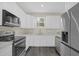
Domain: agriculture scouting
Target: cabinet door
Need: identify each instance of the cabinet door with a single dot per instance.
(1, 7)
(7, 51)
(66, 19)
(65, 51)
(53, 22)
(5, 48)
(1, 16)
(57, 44)
(74, 12)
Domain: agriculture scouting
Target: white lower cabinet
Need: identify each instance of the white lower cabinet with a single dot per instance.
(40, 40)
(65, 50)
(57, 44)
(6, 49)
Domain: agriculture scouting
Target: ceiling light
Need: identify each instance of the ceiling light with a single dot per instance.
(42, 5)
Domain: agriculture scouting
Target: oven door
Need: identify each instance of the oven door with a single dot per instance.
(19, 48)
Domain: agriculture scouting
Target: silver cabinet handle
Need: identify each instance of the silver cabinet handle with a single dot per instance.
(75, 21)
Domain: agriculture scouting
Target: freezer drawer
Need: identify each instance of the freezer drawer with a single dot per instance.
(74, 53)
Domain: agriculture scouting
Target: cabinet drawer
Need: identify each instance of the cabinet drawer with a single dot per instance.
(74, 53)
(65, 50)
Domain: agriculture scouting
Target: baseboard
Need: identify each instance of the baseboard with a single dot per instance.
(44, 46)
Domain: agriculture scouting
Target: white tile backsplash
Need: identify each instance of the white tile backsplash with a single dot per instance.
(31, 31)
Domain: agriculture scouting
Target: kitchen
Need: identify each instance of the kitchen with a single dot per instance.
(37, 25)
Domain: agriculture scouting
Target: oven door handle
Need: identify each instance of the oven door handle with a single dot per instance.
(15, 44)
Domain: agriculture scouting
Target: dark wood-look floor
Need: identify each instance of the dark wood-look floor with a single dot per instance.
(42, 51)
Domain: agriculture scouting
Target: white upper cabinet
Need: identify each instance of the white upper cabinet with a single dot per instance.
(1, 7)
(53, 22)
(34, 22)
(31, 21)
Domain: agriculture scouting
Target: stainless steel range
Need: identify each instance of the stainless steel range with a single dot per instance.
(11, 45)
(19, 45)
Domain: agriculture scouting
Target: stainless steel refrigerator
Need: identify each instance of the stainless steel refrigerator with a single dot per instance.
(71, 25)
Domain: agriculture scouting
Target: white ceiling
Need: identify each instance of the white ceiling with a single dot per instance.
(49, 7)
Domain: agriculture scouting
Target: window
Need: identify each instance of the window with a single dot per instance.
(41, 22)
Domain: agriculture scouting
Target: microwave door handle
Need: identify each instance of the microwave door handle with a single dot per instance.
(75, 21)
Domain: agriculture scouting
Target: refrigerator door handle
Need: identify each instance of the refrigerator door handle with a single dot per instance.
(75, 21)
